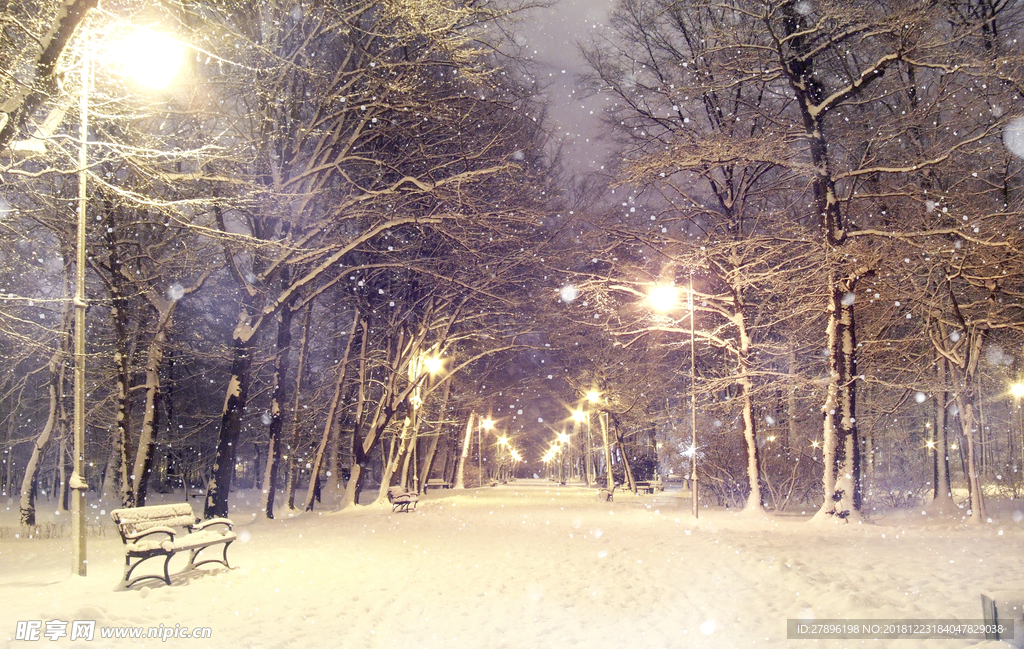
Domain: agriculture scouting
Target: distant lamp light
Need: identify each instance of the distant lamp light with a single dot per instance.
(487, 423)
(663, 297)
(1017, 390)
(593, 396)
(579, 416)
(563, 438)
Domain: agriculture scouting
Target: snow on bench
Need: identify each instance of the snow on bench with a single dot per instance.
(401, 500)
(149, 532)
(439, 483)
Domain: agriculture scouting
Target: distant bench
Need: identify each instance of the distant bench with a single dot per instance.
(148, 532)
(437, 483)
(402, 500)
(650, 486)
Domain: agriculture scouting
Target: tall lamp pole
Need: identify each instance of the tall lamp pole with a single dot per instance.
(153, 60)
(693, 405)
(78, 483)
(664, 298)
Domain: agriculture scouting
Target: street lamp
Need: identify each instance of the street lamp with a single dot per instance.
(146, 57)
(433, 364)
(664, 298)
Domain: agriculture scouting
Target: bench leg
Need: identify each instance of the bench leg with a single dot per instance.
(192, 564)
(129, 567)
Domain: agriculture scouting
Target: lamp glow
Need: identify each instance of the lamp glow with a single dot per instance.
(663, 297)
(1017, 390)
(433, 364)
(593, 396)
(149, 57)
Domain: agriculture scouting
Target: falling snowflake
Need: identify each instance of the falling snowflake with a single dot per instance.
(569, 293)
(1013, 137)
(175, 292)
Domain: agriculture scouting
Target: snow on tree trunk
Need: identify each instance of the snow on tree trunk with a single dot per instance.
(391, 461)
(230, 426)
(18, 109)
(460, 471)
(143, 465)
(27, 505)
(841, 479)
(754, 500)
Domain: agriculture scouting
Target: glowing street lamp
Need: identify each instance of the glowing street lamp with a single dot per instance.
(663, 298)
(433, 364)
(152, 61)
(1017, 390)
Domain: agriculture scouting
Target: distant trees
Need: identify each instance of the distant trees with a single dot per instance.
(846, 120)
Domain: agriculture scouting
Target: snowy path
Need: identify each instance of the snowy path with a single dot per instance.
(530, 565)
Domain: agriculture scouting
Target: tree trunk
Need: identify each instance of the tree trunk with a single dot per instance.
(277, 399)
(602, 417)
(942, 494)
(147, 436)
(965, 405)
(231, 422)
(841, 480)
(330, 428)
(460, 471)
(54, 388)
(293, 451)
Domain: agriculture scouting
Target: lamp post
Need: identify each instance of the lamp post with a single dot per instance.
(578, 417)
(152, 60)
(563, 439)
(665, 297)
(1017, 392)
(485, 424)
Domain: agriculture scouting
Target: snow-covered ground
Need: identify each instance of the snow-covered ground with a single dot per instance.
(527, 565)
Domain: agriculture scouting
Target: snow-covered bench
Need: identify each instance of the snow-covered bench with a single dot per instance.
(401, 500)
(149, 532)
(437, 483)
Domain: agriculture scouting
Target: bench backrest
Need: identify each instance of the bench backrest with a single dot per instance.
(140, 519)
